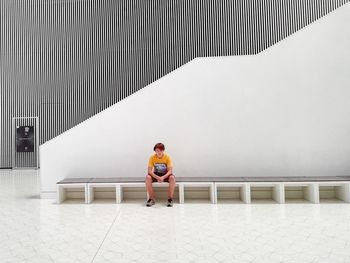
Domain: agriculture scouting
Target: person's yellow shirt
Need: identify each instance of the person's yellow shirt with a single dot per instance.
(160, 165)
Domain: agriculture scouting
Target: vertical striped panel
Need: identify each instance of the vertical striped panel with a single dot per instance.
(64, 60)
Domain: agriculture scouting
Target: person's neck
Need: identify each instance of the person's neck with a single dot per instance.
(160, 156)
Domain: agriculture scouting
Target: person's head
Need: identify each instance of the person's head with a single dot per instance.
(159, 149)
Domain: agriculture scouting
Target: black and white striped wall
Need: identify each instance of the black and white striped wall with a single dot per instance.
(63, 61)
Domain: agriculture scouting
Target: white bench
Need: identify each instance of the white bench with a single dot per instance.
(213, 190)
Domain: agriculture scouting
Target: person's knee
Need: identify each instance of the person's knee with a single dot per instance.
(172, 179)
(148, 178)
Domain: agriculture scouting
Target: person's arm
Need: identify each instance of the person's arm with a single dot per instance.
(169, 169)
(151, 173)
(150, 169)
(168, 173)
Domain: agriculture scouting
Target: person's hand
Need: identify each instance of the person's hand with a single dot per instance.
(161, 179)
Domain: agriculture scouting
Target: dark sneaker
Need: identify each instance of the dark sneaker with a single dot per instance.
(169, 203)
(150, 202)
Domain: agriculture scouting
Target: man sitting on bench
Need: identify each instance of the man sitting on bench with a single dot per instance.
(160, 169)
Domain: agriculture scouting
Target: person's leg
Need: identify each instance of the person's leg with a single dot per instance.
(172, 183)
(149, 187)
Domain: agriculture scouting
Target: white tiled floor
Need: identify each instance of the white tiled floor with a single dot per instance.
(35, 230)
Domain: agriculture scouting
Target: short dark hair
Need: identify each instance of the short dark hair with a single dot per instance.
(159, 146)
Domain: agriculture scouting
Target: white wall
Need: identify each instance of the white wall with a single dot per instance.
(284, 112)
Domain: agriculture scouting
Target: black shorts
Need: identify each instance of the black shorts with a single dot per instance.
(166, 179)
